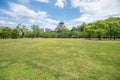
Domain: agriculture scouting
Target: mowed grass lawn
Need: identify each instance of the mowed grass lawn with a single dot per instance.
(59, 59)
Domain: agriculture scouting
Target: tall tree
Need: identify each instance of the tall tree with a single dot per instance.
(5, 32)
(114, 26)
(15, 33)
(101, 28)
(29, 34)
(63, 32)
(22, 29)
(89, 31)
(36, 31)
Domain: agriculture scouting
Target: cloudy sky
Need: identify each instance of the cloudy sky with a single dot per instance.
(48, 13)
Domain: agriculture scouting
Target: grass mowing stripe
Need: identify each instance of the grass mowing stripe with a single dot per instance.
(59, 59)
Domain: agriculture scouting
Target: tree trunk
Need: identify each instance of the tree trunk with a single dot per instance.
(89, 37)
(99, 37)
(110, 38)
(114, 37)
(110, 33)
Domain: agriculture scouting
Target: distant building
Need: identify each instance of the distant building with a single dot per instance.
(46, 29)
(60, 25)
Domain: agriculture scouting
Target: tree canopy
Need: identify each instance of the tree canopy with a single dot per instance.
(108, 28)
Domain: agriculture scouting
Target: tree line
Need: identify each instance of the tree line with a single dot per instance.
(108, 28)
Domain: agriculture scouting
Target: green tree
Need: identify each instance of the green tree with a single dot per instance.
(5, 32)
(22, 29)
(74, 29)
(114, 26)
(99, 32)
(15, 33)
(53, 34)
(75, 34)
(0, 33)
(81, 28)
(63, 32)
(101, 28)
(36, 31)
(89, 31)
(29, 34)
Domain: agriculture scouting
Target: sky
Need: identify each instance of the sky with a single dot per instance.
(48, 13)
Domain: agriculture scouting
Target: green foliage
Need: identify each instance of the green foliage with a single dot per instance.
(22, 29)
(114, 25)
(63, 33)
(36, 31)
(108, 28)
(89, 31)
(80, 28)
(104, 28)
(5, 32)
(75, 34)
(29, 34)
(15, 33)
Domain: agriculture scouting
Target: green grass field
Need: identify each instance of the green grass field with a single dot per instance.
(59, 59)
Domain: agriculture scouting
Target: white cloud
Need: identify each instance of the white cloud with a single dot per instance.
(22, 13)
(92, 10)
(60, 3)
(44, 1)
(7, 23)
(27, 1)
(23, 1)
